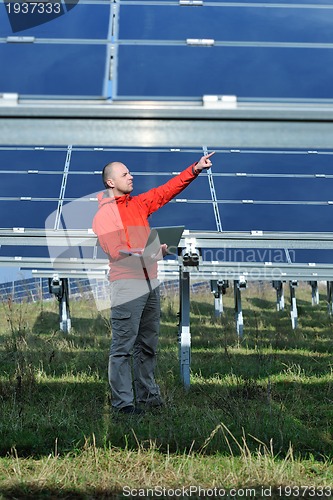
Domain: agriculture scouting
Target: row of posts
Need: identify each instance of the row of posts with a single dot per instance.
(218, 288)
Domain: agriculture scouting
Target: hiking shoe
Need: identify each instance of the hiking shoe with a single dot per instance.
(152, 403)
(130, 410)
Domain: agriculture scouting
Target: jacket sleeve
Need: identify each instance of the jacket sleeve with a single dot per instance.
(157, 197)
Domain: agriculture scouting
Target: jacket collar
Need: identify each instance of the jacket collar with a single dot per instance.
(107, 197)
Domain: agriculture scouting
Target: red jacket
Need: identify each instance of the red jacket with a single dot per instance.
(121, 223)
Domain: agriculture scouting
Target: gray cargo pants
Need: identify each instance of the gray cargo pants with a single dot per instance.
(135, 320)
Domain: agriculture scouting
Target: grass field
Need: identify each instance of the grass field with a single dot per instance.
(257, 421)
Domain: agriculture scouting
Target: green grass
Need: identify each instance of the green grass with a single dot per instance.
(259, 412)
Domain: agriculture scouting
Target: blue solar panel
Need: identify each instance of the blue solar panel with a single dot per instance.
(274, 189)
(296, 162)
(36, 186)
(83, 185)
(192, 215)
(279, 177)
(226, 23)
(26, 213)
(317, 256)
(77, 214)
(137, 160)
(149, 168)
(30, 159)
(26, 173)
(24, 251)
(247, 72)
(265, 217)
(263, 50)
(53, 70)
(74, 24)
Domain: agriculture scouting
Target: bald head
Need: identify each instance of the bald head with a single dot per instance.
(117, 177)
(109, 171)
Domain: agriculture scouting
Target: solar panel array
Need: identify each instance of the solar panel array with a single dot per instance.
(148, 50)
(167, 50)
(246, 190)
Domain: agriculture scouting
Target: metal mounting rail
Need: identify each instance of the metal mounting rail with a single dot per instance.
(208, 239)
(168, 270)
(251, 271)
(69, 264)
(290, 124)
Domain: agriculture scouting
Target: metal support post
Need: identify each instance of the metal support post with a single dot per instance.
(184, 340)
(330, 297)
(314, 292)
(278, 285)
(238, 284)
(218, 305)
(293, 304)
(218, 288)
(59, 287)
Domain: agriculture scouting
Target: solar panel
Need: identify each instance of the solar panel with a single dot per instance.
(32, 158)
(57, 54)
(249, 73)
(16, 186)
(50, 70)
(142, 159)
(23, 252)
(233, 22)
(25, 213)
(253, 216)
(70, 25)
(275, 189)
(251, 50)
(30, 181)
(273, 162)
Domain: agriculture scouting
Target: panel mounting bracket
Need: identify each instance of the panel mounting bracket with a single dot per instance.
(220, 101)
(9, 99)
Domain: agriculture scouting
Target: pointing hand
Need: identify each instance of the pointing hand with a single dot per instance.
(204, 162)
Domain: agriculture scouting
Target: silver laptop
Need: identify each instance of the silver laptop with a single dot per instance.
(171, 236)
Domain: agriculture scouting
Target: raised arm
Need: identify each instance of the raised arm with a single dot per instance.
(157, 197)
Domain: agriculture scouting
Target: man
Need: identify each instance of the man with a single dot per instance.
(121, 224)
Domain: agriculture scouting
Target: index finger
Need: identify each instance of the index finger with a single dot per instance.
(210, 154)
